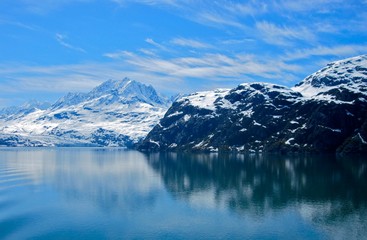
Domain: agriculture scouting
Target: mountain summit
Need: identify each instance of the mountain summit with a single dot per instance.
(126, 91)
(115, 113)
(347, 76)
(123, 91)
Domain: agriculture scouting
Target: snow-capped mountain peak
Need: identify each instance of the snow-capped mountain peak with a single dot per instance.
(115, 113)
(126, 91)
(330, 82)
(110, 86)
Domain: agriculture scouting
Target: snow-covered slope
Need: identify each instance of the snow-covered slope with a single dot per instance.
(326, 112)
(116, 113)
(329, 83)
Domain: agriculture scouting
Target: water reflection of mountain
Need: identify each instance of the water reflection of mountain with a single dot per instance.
(173, 194)
(263, 183)
(110, 179)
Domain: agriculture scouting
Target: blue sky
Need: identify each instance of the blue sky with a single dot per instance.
(49, 48)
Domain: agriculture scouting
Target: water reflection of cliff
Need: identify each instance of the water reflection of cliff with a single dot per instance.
(260, 183)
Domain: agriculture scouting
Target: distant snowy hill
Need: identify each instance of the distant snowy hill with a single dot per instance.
(326, 112)
(26, 108)
(115, 113)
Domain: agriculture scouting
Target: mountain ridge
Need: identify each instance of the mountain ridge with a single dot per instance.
(326, 112)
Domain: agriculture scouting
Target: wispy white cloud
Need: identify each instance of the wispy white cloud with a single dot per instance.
(320, 6)
(117, 54)
(61, 39)
(155, 44)
(213, 67)
(243, 17)
(248, 8)
(237, 41)
(166, 74)
(283, 67)
(59, 78)
(211, 13)
(18, 78)
(217, 19)
(147, 52)
(339, 51)
(19, 24)
(46, 6)
(284, 35)
(184, 42)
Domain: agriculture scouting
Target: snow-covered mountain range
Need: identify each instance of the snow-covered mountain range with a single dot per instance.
(115, 113)
(326, 112)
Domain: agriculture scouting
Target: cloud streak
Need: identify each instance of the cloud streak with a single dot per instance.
(184, 42)
(339, 51)
(214, 67)
(19, 24)
(19, 78)
(284, 35)
(62, 40)
(155, 44)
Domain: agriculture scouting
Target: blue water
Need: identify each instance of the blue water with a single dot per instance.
(91, 193)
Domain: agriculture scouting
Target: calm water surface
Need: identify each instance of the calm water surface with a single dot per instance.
(86, 193)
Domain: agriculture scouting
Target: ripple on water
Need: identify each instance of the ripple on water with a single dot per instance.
(12, 178)
(13, 217)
